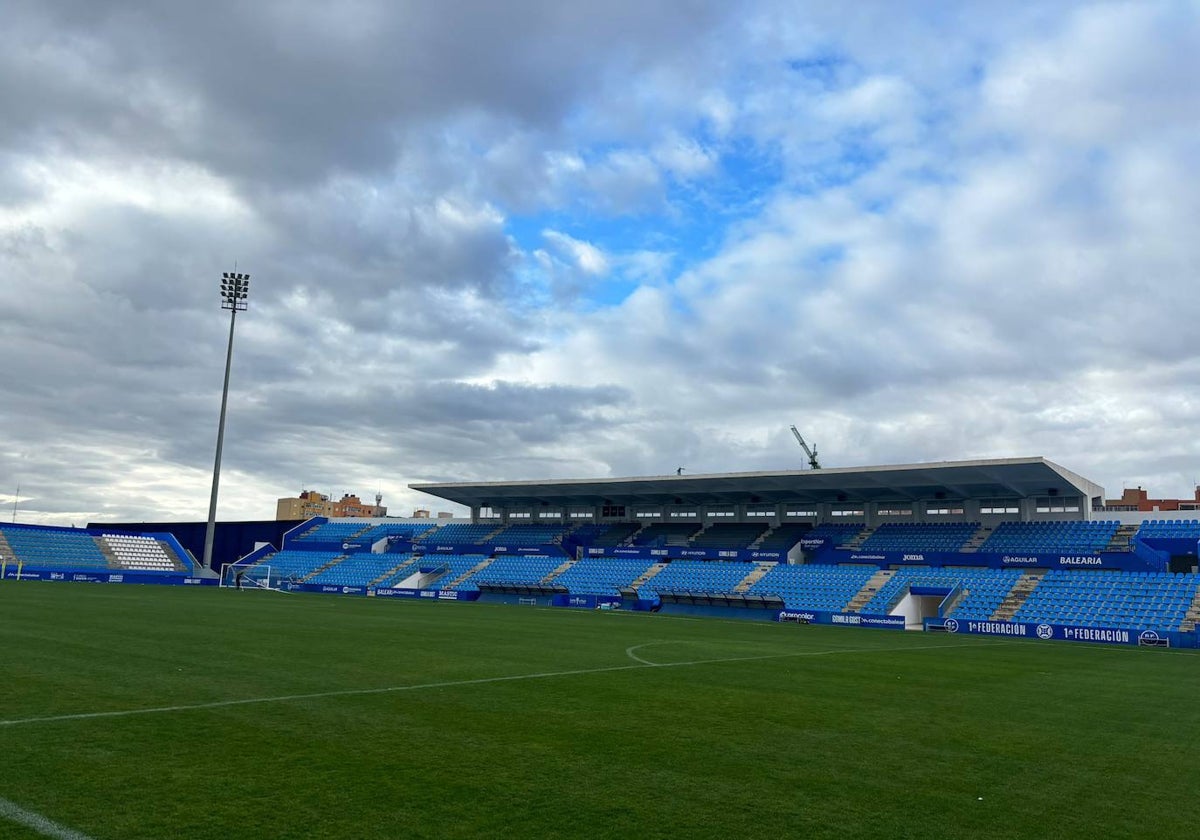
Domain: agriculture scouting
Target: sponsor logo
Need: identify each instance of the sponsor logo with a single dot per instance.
(656, 552)
(116, 578)
(1091, 634)
(192, 581)
(950, 625)
(1148, 636)
(57, 576)
(913, 558)
(794, 615)
(1011, 560)
(331, 589)
(449, 595)
(1077, 560)
(727, 554)
(847, 619)
(1045, 631)
(577, 602)
(428, 593)
(883, 621)
(997, 628)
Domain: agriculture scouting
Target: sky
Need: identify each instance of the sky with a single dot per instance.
(538, 240)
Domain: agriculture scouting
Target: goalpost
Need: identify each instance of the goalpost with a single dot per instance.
(252, 577)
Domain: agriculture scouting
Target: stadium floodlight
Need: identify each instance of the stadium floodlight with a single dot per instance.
(235, 291)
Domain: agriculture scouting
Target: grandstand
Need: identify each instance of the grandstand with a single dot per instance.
(1148, 600)
(601, 576)
(935, 536)
(82, 551)
(828, 588)
(963, 546)
(1051, 536)
(729, 535)
(517, 571)
(982, 590)
(676, 533)
(334, 530)
(523, 534)
(699, 577)
(362, 569)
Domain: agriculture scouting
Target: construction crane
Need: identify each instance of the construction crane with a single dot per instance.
(811, 453)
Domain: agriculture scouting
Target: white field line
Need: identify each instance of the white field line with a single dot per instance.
(42, 825)
(358, 692)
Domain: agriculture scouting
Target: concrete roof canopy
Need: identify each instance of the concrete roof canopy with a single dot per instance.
(980, 479)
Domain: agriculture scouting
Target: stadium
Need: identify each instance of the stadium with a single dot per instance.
(849, 651)
(512, 264)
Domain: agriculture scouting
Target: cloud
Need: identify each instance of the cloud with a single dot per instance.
(546, 240)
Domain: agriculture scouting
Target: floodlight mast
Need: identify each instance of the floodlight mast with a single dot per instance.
(235, 289)
(811, 453)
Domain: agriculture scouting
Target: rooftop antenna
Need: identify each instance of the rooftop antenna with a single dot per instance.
(812, 453)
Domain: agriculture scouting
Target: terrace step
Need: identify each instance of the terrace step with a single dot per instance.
(114, 562)
(1122, 540)
(977, 539)
(861, 537)
(320, 569)
(478, 567)
(646, 575)
(1192, 616)
(392, 572)
(491, 535)
(869, 589)
(568, 564)
(760, 571)
(1017, 596)
(641, 526)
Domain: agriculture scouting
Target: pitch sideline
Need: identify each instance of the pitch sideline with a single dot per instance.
(34, 821)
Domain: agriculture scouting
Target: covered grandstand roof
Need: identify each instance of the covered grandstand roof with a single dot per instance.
(995, 478)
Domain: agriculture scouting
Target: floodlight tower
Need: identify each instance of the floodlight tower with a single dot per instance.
(235, 289)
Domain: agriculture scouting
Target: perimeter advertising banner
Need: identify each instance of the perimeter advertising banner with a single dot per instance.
(429, 594)
(69, 576)
(1120, 560)
(886, 622)
(675, 552)
(548, 549)
(1050, 632)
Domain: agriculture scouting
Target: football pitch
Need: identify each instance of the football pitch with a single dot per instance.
(163, 712)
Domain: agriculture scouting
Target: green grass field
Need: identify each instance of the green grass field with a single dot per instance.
(381, 719)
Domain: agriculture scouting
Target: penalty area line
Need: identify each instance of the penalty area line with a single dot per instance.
(45, 826)
(641, 664)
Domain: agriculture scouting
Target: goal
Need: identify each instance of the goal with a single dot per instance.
(252, 576)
